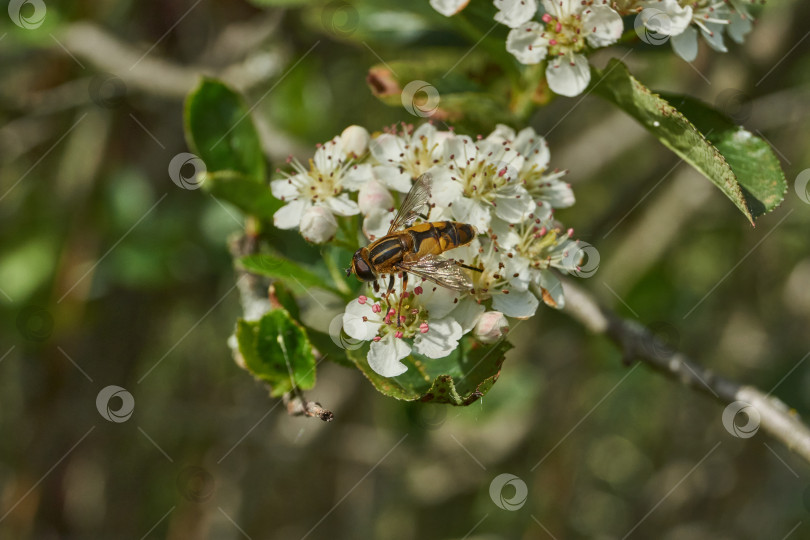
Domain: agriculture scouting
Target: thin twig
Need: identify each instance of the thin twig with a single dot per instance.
(638, 342)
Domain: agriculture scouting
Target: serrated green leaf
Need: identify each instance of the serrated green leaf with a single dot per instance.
(277, 350)
(220, 131)
(251, 197)
(293, 274)
(459, 379)
(670, 127)
(751, 158)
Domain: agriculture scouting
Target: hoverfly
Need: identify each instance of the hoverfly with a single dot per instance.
(415, 249)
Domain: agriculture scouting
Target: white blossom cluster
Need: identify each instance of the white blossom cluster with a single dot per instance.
(500, 183)
(561, 32)
(683, 20)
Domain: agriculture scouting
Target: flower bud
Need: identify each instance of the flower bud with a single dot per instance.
(318, 225)
(374, 196)
(355, 140)
(491, 326)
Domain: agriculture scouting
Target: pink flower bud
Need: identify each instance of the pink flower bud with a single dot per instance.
(318, 225)
(491, 326)
(355, 140)
(374, 196)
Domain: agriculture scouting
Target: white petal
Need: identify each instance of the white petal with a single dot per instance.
(328, 156)
(472, 211)
(341, 205)
(740, 25)
(666, 18)
(284, 189)
(459, 150)
(386, 148)
(550, 283)
(715, 37)
(604, 26)
(373, 196)
(520, 266)
(377, 223)
(685, 45)
(568, 78)
(555, 193)
(440, 340)
(445, 191)
(393, 178)
(384, 356)
(448, 8)
(534, 148)
(439, 301)
(289, 215)
(467, 312)
(520, 304)
(426, 130)
(502, 133)
(507, 237)
(527, 43)
(355, 326)
(357, 175)
(317, 225)
(513, 203)
(513, 13)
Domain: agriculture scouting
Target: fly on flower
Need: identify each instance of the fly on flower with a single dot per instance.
(415, 249)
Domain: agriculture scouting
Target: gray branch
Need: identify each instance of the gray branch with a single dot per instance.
(638, 342)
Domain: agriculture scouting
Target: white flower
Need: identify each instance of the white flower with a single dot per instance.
(448, 8)
(426, 326)
(568, 27)
(405, 156)
(318, 225)
(513, 13)
(479, 181)
(491, 327)
(330, 172)
(503, 278)
(666, 17)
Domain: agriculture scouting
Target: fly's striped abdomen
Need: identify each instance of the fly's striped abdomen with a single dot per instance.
(439, 236)
(386, 251)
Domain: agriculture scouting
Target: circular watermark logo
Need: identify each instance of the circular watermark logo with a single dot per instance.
(125, 409)
(431, 416)
(35, 323)
(732, 412)
(582, 260)
(420, 98)
(667, 339)
(517, 500)
(802, 185)
(735, 104)
(187, 171)
(652, 26)
(340, 337)
(28, 14)
(106, 90)
(195, 484)
(340, 18)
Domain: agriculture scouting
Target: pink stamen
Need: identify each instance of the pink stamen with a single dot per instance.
(402, 318)
(376, 338)
(398, 334)
(405, 294)
(423, 327)
(546, 17)
(362, 299)
(418, 290)
(376, 308)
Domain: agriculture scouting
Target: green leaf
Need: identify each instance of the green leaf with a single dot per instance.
(671, 127)
(251, 197)
(292, 273)
(751, 158)
(459, 379)
(220, 131)
(276, 349)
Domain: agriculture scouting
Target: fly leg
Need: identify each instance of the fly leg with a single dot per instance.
(388, 293)
(402, 297)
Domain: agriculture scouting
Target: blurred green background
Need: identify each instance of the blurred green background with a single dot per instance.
(110, 274)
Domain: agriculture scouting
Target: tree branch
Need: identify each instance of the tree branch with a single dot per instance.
(638, 342)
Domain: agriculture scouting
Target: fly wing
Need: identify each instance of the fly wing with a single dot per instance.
(414, 202)
(444, 272)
